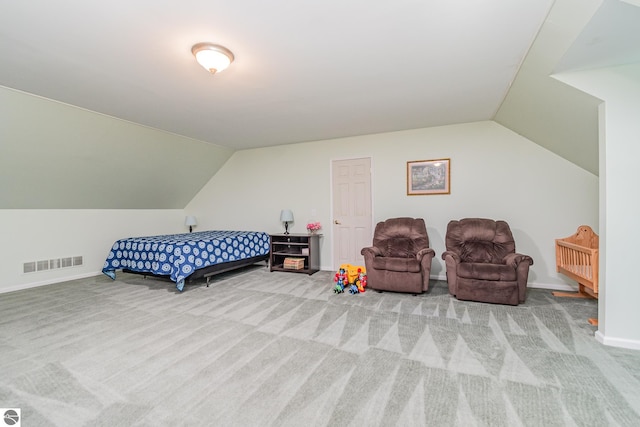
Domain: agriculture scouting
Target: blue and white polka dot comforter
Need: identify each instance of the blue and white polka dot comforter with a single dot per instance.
(180, 255)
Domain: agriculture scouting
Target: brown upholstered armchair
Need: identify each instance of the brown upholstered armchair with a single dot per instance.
(482, 263)
(400, 258)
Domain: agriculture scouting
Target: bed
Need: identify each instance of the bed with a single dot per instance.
(190, 256)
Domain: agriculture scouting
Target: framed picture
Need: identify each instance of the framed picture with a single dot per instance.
(429, 177)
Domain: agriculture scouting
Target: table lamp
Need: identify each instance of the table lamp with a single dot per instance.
(286, 216)
(190, 221)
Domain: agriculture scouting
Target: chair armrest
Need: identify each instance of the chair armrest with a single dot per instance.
(371, 250)
(521, 263)
(451, 261)
(452, 256)
(425, 252)
(515, 259)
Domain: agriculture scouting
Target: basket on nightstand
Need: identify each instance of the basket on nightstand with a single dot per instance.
(293, 263)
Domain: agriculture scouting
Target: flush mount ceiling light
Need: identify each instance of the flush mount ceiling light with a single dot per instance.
(214, 58)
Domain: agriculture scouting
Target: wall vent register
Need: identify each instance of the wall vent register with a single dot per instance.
(52, 264)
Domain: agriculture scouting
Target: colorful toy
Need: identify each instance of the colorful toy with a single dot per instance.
(352, 271)
(352, 277)
(361, 282)
(341, 281)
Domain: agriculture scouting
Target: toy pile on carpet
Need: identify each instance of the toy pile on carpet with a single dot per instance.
(350, 277)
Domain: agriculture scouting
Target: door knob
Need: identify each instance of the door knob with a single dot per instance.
(335, 221)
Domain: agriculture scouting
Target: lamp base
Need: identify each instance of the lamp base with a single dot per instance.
(286, 227)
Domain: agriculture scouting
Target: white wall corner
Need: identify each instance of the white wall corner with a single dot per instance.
(617, 342)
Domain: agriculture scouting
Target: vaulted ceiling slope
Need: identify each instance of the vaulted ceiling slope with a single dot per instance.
(303, 71)
(56, 156)
(576, 35)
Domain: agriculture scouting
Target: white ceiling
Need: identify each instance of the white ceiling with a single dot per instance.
(611, 38)
(303, 71)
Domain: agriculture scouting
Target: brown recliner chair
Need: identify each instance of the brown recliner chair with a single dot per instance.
(400, 258)
(482, 263)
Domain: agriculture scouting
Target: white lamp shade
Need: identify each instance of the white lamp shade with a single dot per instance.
(286, 215)
(212, 57)
(190, 221)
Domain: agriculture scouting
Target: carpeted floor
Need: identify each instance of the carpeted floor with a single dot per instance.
(259, 348)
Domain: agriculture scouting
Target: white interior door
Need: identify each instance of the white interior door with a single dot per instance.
(352, 217)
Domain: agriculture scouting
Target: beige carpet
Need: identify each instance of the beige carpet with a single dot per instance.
(259, 348)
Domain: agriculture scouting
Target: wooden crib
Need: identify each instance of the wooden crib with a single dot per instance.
(577, 258)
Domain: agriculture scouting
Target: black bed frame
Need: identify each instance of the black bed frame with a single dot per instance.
(208, 272)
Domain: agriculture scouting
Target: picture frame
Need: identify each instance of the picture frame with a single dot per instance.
(425, 177)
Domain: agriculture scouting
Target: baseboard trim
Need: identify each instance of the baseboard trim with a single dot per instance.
(553, 287)
(617, 342)
(48, 282)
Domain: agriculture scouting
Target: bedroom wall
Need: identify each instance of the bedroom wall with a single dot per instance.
(537, 106)
(494, 173)
(57, 156)
(41, 234)
(619, 88)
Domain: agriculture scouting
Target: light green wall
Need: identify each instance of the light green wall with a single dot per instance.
(42, 234)
(548, 112)
(56, 156)
(619, 87)
(495, 173)
(73, 181)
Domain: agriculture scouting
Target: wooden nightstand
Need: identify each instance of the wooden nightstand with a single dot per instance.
(304, 246)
